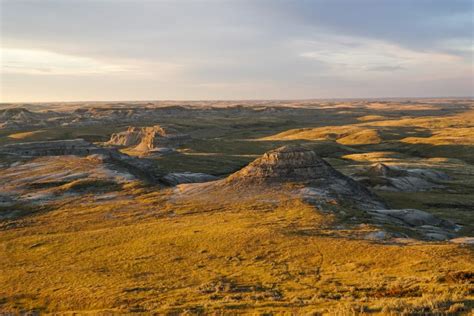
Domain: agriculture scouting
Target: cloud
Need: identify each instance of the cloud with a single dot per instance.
(385, 68)
(361, 55)
(221, 49)
(38, 62)
(417, 25)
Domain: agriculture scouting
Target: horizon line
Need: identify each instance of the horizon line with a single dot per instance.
(245, 100)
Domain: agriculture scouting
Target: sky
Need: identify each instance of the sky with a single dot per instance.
(85, 50)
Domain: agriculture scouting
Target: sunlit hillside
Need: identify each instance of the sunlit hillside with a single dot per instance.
(365, 209)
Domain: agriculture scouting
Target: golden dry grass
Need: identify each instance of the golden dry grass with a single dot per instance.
(446, 136)
(427, 136)
(135, 248)
(272, 253)
(23, 135)
(346, 135)
(364, 137)
(366, 118)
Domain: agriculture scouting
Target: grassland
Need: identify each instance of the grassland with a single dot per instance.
(130, 247)
(149, 255)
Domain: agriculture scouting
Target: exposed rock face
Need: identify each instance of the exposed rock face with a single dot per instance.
(156, 137)
(126, 113)
(26, 184)
(18, 114)
(382, 177)
(303, 166)
(53, 148)
(287, 163)
(147, 139)
(413, 217)
(131, 137)
(301, 172)
(109, 113)
(79, 147)
(321, 183)
(382, 170)
(17, 118)
(20, 118)
(187, 177)
(423, 222)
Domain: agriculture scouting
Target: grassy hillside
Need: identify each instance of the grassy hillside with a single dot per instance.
(88, 238)
(268, 253)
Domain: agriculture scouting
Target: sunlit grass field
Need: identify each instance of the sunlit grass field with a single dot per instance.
(104, 246)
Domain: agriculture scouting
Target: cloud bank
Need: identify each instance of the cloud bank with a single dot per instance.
(139, 50)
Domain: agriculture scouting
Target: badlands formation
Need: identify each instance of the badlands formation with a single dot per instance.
(303, 166)
(383, 177)
(149, 139)
(272, 207)
(318, 183)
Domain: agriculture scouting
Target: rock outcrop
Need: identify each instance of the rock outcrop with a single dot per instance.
(18, 114)
(412, 217)
(27, 184)
(426, 224)
(78, 147)
(319, 183)
(300, 165)
(131, 137)
(287, 163)
(19, 118)
(157, 137)
(390, 178)
(148, 139)
(176, 178)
